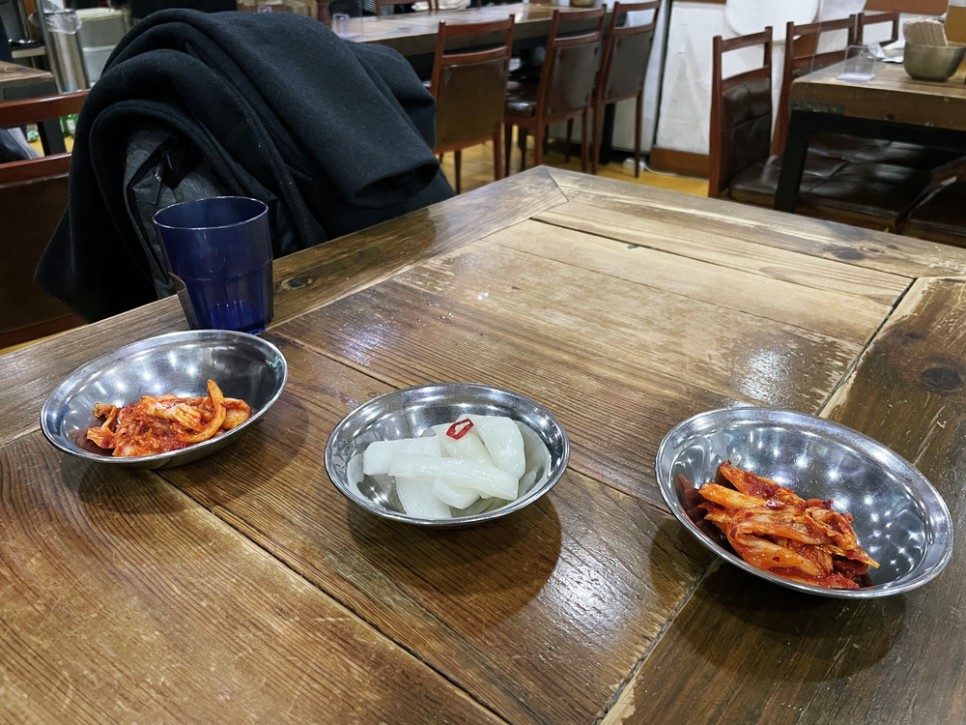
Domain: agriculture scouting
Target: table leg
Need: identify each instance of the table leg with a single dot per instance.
(793, 163)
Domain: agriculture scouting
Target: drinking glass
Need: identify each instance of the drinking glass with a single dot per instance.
(219, 250)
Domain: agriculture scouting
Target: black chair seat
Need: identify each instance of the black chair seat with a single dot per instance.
(758, 183)
(941, 217)
(877, 196)
(879, 151)
(842, 146)
(521, 98)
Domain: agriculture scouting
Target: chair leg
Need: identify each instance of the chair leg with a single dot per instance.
(570, 134)
(507, 145)
(538, 140)
(522, 143)
(457, 166)
(497, 156)
(598, 133)
(638, 126)
(585, 141)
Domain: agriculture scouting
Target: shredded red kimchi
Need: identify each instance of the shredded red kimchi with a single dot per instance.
(163, 423)
(773, 529)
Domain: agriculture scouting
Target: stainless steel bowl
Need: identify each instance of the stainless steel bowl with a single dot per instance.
(244, 366)
(899, 518)
(410, 412)
(932, 62)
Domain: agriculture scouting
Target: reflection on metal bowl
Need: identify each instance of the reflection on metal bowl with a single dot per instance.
(409, 413)
(899, 518)
(243, 366)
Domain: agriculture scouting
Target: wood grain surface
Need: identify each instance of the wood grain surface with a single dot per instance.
(758, 653)
(891, 96)
(245, 588)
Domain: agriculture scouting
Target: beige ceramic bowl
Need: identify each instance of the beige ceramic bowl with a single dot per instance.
(932, 62)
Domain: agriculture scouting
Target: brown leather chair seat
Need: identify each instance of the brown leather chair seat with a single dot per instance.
(941, 217)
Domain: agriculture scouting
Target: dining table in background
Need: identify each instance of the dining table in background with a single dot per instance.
(246, 588)
(19, 81)
(891, 106)
(414, 34)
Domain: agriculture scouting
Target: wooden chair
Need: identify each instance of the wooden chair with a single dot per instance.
(33, 196)
(802, 56)
(741, 169)
(565, 89)
(741, 115)
(627, 50)
(36, 111)
(864, 20)
(470, 89)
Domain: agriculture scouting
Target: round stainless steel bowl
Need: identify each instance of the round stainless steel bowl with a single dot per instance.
(244, 366)
(899, 518)
(410, 412)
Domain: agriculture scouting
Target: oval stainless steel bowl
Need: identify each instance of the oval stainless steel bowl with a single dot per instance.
(244, 366)
(899, 518)
(408, 413)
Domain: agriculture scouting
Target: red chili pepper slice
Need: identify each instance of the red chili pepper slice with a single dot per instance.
(459, 429)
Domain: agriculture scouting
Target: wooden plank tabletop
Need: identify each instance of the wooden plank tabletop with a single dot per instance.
(890, 96)
(244, 587)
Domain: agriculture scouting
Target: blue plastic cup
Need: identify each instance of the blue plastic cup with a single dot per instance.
(220, 251)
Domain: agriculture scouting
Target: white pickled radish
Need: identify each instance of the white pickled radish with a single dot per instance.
(503, 442)
(469, 446)
(456, 496)
(417, 498)
(488, 480)
(378, 455)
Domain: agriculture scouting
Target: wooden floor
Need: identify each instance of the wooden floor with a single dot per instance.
(478, 170)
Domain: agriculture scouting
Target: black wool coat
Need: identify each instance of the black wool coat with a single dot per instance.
(335, 136)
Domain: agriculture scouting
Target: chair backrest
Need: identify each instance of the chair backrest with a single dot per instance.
(627, 50)
(469, 85)
(864, 20)
(569, 72)
(741, 111)
(803, 54)
(33, 195)
(39, 110)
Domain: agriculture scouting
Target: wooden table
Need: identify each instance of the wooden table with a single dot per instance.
(414, 34)
(891, 106)
(245, 588)
(17, 82)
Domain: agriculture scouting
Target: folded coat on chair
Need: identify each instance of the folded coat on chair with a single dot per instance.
(334, 136)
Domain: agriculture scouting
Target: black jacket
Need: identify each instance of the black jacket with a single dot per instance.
(333, 135)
